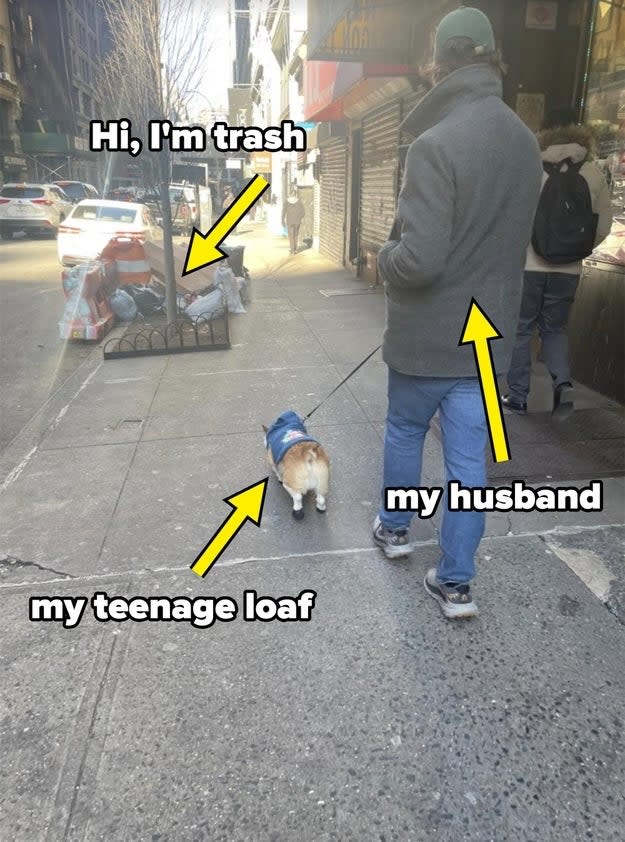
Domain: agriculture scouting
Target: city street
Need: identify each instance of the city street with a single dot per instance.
(377, 718)
(320, 536)
(35, 361)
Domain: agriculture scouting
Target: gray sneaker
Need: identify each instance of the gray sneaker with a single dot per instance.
(455, 600)
(563, 405)
(395, 543)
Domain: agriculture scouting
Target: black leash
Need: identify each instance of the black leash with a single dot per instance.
(344, 380)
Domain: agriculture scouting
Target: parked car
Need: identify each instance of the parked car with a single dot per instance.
(78, 190)
(33, 208)
(184, 211)
(93, 222)
(122, 194)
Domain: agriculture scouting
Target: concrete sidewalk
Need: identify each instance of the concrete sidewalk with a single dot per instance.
(377, 719)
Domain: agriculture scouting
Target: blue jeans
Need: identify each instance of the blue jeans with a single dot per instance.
(546, 303)
(412, 402)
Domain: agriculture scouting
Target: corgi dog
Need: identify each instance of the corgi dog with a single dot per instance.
(298, 460)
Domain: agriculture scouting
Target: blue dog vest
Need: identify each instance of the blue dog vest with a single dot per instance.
(286, 431)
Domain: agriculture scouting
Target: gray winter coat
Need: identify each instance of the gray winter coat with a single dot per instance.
(292, 212)
(471, 185)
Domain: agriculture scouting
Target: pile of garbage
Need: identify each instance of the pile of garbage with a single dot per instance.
(99, 291)
(227, 292)
(87, 288)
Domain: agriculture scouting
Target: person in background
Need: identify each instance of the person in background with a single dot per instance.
(549, 289)
(470, 188)
(292, 215)
(228, 197)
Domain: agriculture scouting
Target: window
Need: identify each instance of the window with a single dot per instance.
(4, 118)
(74, 189)
(104, 213)
(3, 66)
(22, 192)
(604, 109)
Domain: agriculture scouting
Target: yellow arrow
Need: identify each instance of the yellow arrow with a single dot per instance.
(479, 330)
(247, 504)
(204, 248)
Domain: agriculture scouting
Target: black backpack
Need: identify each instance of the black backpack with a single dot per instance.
(565, 225)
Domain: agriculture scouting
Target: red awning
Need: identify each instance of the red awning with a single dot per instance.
(327, 82)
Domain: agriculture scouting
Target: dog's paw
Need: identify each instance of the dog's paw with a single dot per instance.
(321, 511)
(298, 514)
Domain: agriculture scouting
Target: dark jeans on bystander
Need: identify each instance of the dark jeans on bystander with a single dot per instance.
(546, 304)
(293, 237)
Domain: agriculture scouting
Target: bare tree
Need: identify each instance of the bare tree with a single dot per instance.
(155, 65)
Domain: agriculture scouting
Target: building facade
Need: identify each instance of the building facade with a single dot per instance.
(58, 48)
(12, 162)
(363, 75)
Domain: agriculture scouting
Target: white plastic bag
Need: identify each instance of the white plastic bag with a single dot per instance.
(207, 307)
(225, 278)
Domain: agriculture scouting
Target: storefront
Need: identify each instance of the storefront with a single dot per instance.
(360, 67)
(596, 327)
(604, 109)
(378, 177)
(332, 193)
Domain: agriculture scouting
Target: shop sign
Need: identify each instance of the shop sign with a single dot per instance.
(541, 15)
(368, 31)
(260, 161)
(323, 16)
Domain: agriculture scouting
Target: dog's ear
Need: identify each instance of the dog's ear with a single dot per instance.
(265, 428)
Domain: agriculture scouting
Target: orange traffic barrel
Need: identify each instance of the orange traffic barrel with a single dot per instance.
(130, 260)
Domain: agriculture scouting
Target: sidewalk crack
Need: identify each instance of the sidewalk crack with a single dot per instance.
(9, 561)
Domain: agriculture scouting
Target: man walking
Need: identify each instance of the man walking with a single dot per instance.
(292, 215)
(471, 185)
(549, 288)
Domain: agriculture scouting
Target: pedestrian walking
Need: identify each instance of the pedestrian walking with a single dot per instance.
(549, 287)
(292, 215)
(470, 187)
(228, 198)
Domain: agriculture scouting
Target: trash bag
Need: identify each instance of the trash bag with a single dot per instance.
(235, 258)
(147, 300)
(224, 278)
(123, 305)
(206, 307)
(244, 290)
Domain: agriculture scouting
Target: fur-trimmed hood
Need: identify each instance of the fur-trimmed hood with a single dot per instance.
(575, 142)
(578, 144)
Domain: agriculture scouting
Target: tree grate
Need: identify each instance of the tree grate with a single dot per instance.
(155, 337)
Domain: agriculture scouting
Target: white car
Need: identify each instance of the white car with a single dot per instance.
(93, 222)
(33, 208)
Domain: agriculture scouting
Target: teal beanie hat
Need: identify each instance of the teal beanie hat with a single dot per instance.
(465, 23)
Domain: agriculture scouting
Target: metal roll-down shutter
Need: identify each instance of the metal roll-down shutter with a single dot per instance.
(333, 189)
(378, 184)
